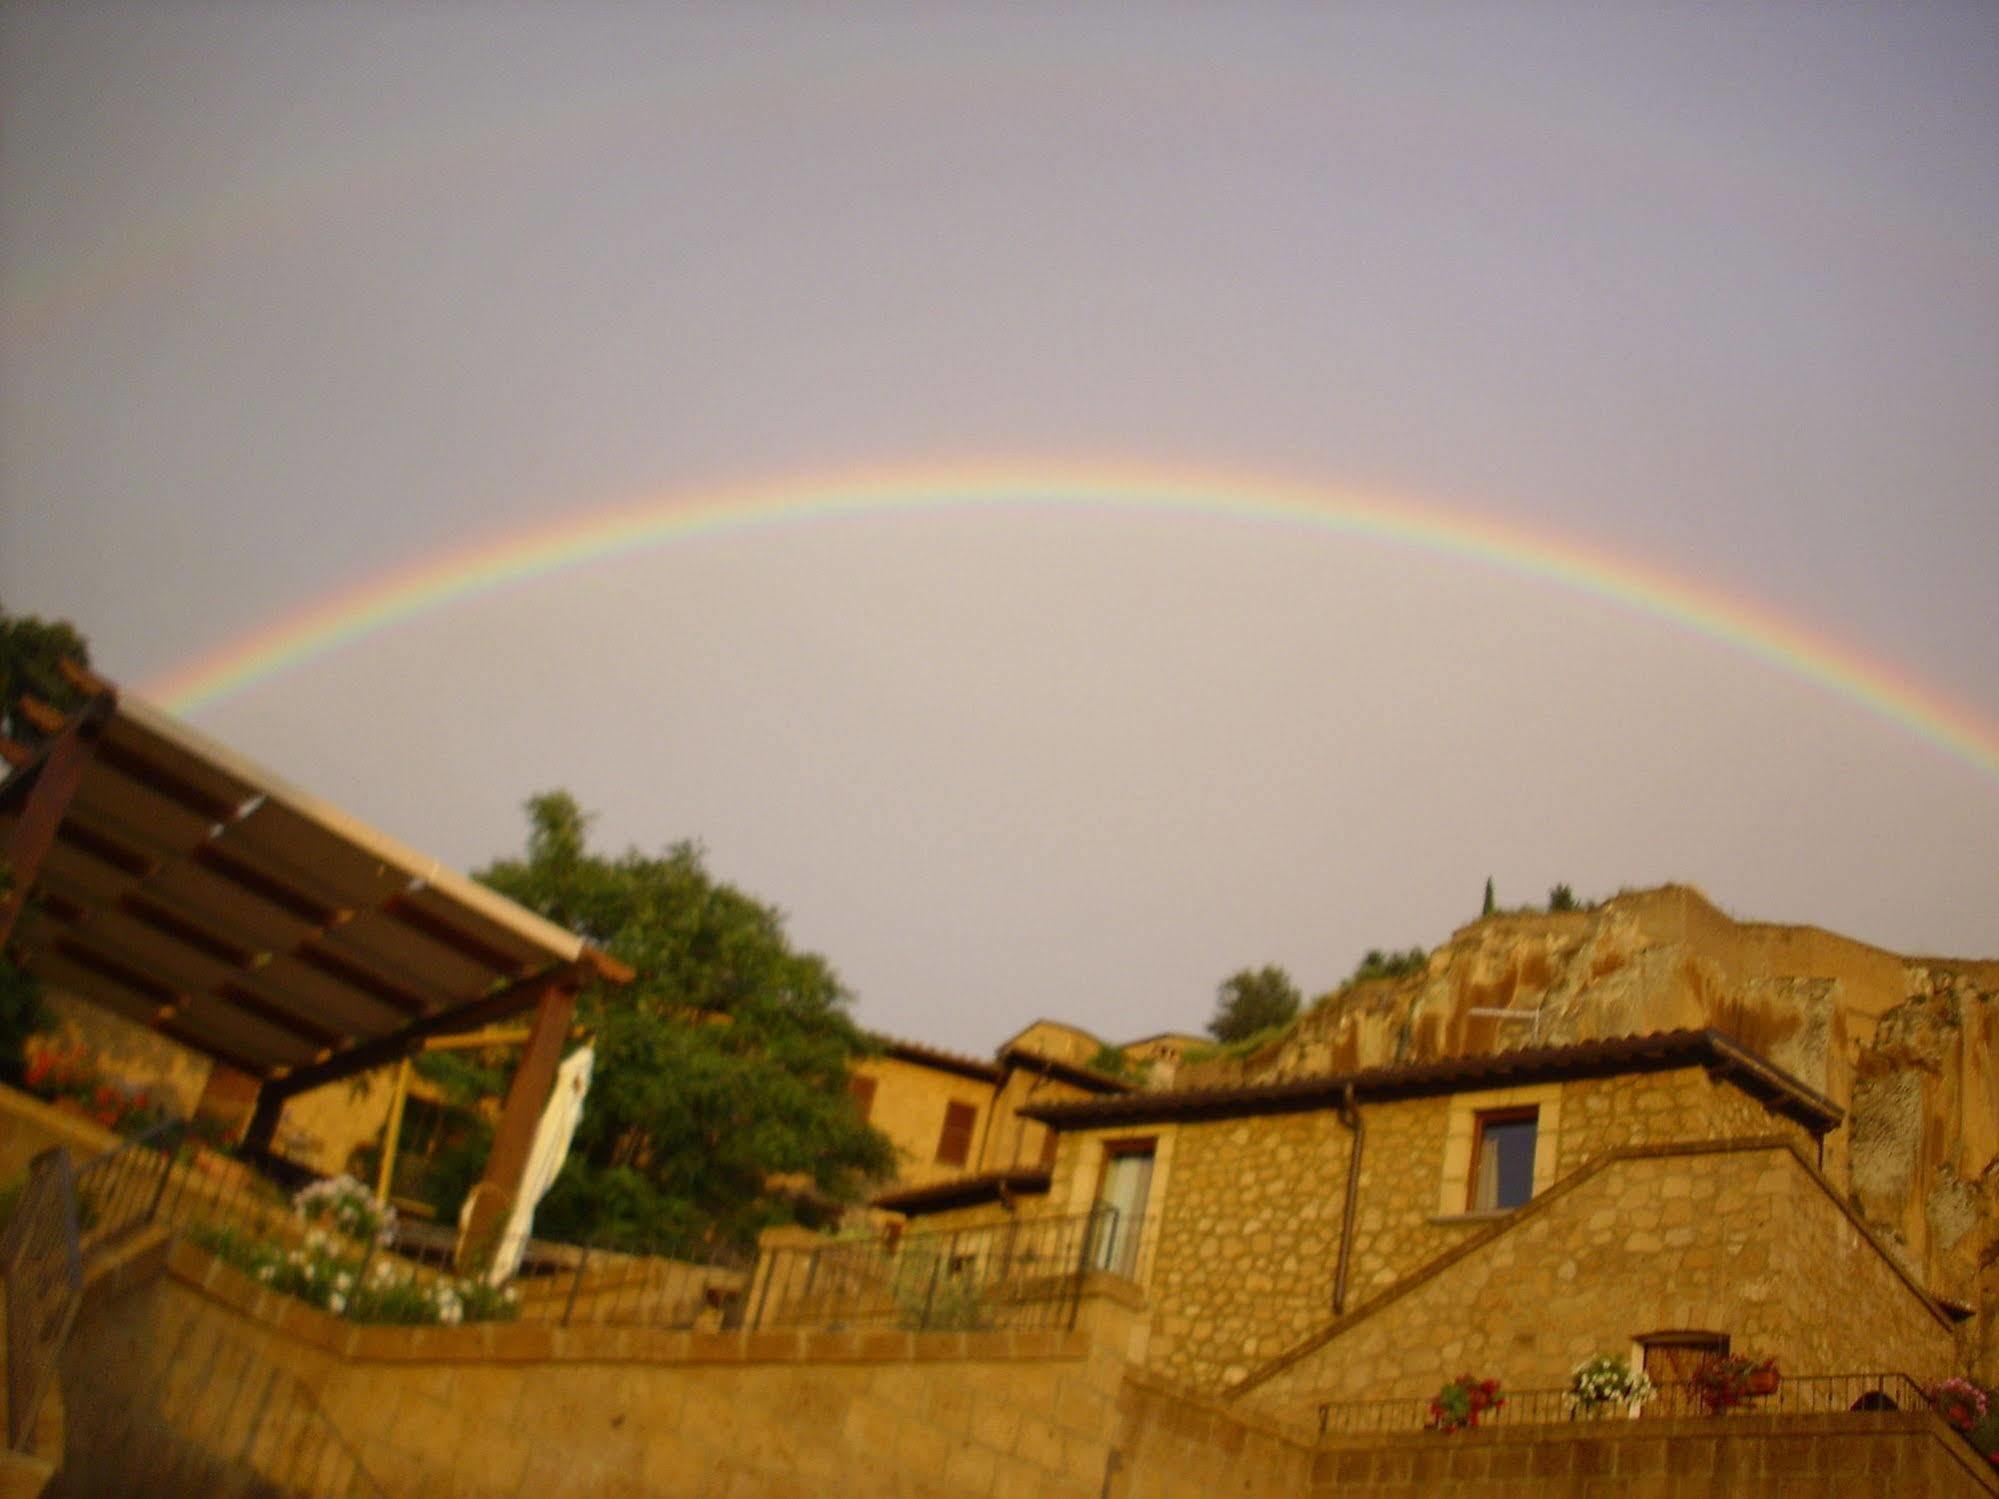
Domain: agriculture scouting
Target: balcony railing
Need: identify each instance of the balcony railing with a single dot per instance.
(1021, 1274)
(1796, 1394)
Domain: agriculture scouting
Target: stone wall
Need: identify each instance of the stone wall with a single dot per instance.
(1609, 1113)
(28, 1126)
(1245, 1213)
(1249, 1230)
(202, 1382)
(1742, 1238)
(197, 1381)
(1907, 1454)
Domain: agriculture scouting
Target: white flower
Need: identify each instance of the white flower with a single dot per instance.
(265, 1272)
(343, 1281)
(336, 1303)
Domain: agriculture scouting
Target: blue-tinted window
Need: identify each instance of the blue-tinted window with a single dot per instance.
(1503, 1170)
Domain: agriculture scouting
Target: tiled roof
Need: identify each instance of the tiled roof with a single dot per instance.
(1652, 1053)
(932, 1056)
(963, 1191)
(1069, 1072)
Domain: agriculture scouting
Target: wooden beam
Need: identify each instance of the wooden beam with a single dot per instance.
(106, 850)
(83, 679)
(56, 775)
(453, 938)
(15, 753)
(345, 971)
(366, 1057)
(527, 1096)
(265, 887)
(164, 784)
(44, 716)
(271, 1013)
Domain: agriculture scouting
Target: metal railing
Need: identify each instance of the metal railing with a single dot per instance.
(1026, 1273)
(1796, 1394)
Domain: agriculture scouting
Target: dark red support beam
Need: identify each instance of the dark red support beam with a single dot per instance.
(45, 789)
(527, 1095)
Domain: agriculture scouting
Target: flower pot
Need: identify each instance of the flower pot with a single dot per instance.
(1764, 1381)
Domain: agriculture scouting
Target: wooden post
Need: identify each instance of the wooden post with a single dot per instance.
(54, 787)
(527, 1096)
(263, 1126)
(392, 1136)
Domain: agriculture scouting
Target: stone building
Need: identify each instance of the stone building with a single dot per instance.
(1642, 1128)
(1367, 1235)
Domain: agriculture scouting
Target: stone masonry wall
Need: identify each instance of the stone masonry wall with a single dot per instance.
(1603, 1114)
(1906, 1454)
(203, 1382)
(1249, 1233)
(1248, 1216)
(1738, 1239)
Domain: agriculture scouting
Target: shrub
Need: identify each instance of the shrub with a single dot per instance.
(334, 1277)
(1607, 1380)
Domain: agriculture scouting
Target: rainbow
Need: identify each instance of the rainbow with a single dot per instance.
(433, 582)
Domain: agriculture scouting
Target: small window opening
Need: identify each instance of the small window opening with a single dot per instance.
(954, 1145)
(1503, 1159)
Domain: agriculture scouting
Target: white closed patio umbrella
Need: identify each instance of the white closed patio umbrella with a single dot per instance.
(545, 1157)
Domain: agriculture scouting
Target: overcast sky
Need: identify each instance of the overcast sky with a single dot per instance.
(294, 295)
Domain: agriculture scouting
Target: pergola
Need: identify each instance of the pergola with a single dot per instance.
(195, 893)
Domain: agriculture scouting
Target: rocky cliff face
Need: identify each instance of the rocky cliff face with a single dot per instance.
(1907, 1046)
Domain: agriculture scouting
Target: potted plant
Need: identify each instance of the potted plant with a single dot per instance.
(1462, 1401)
(1723, 1381)
(1605, 1381)
(1960, 1402)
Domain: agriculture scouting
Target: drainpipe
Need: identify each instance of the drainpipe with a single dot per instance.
(1350, 1117)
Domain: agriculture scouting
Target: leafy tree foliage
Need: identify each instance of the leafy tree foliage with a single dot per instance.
(1562, 898)
(1253, 1000)
(723, 1066)
(30, 652)
(1390, 965)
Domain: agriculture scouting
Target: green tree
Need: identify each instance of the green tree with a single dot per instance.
(721, 1067)
(31, 653)
(1377, 964)
(1562, 898)
(1490, 907)
(1251, 1001)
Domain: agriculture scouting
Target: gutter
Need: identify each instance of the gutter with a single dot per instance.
(1350, 1117)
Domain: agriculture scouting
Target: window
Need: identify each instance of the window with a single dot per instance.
(862, 1090)
(954, 1145)
(1121, 1200)
(1503, 1159)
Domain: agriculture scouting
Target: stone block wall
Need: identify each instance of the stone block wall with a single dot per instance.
(1248, 1235)
(1242, 1260)
(1907, 1454)
(1743, 1239)
(203, 1382)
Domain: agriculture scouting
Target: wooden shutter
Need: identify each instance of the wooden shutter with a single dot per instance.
(954, 1145)
(863, 1091)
